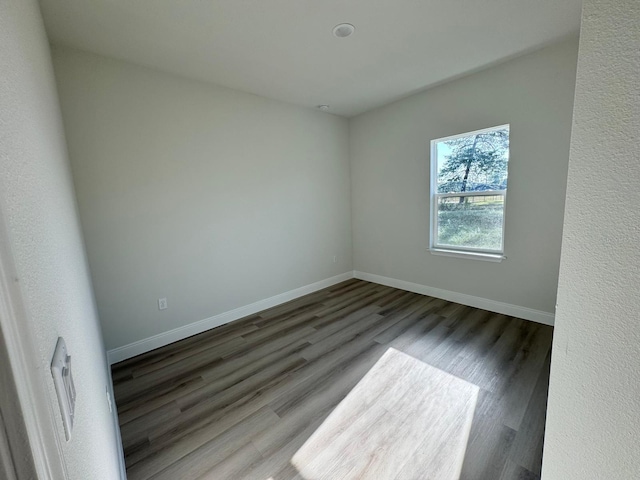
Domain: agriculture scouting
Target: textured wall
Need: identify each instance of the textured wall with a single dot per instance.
(593, 423)
(389, 150)
(38, 206)
(204, 195)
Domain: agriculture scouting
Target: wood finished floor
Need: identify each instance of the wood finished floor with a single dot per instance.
(355, 381)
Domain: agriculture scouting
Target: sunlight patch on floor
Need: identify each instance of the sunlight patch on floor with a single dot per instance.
(404, 419)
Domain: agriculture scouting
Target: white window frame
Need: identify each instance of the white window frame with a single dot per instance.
(455, 251)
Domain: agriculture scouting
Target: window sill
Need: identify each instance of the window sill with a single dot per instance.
(487, 257)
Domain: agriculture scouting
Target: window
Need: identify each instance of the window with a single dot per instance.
(468, 192)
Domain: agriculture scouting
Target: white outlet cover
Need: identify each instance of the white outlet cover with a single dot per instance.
(162, 303)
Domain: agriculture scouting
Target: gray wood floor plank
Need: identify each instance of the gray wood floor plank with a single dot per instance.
(527, 446)
(195, 454)
(216, 384)
(136, 409)
(202, 461)
(235, 465)
(277, 463)
(320, 397)
(522, 376)
(323, 330)
(513, 471)
(487, 450)
(358, 380)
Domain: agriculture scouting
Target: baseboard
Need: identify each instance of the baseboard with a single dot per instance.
(142, 346)
(477, 302)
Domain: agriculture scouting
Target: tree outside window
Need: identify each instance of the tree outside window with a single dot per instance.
(469, 191)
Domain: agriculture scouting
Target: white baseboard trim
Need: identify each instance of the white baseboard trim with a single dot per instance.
(160, 340)
(469, 300)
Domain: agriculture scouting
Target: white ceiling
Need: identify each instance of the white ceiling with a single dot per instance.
(284, 49)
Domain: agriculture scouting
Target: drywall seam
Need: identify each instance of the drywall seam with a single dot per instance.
(539, 316)
(160, 340)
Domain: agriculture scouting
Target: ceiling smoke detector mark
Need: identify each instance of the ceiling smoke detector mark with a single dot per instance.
(324, 108)
(343, 30)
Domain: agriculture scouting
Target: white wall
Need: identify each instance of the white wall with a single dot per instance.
(204, 195)
(39, 212)
(593, 420)
(389, 150)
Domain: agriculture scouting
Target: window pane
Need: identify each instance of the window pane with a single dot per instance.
(473, 163)
(473, 221)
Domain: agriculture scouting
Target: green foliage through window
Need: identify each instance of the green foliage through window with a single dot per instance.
(475, 166)
(475, 163)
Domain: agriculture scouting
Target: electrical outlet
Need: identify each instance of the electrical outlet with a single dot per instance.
(335, 258)
(162, 303)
